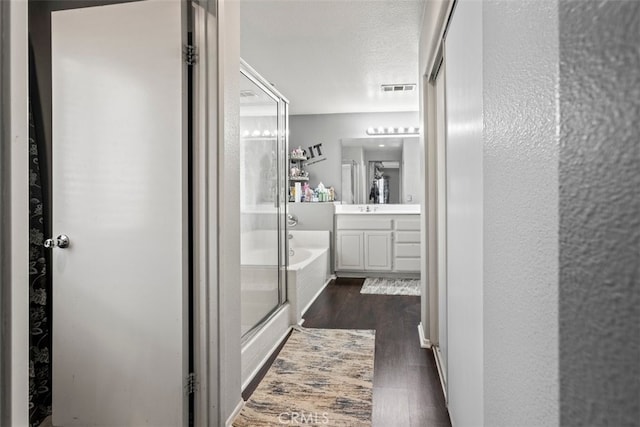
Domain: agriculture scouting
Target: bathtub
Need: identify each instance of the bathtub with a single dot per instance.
(308, 271)
(306, 278)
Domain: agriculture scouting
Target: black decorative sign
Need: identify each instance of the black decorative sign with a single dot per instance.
(314, 154)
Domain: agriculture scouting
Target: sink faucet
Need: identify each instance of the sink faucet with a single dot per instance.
(368, 208)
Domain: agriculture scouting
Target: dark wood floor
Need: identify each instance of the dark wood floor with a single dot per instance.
(406, 388)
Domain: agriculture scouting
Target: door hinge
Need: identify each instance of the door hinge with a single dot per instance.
(191, 383)
(190, 54)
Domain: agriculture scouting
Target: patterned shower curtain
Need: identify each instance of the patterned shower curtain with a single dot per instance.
(39, 291)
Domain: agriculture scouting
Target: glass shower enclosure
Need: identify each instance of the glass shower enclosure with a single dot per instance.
(263, 148)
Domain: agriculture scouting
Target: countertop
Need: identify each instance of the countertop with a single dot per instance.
(377, 210)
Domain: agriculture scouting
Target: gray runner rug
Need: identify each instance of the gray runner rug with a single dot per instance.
(320, 377)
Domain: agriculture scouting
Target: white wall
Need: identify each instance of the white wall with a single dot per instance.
(19, 216)
(464, 131)
(520, 84)
(329, 129)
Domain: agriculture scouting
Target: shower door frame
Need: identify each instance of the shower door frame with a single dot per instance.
(282, 142)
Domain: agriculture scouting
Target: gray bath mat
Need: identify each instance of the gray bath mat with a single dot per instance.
(382, 286)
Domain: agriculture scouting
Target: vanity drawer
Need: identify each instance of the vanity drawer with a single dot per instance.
(408, 250)
(357, 222)
(411, 224)
(407, 237)
(407, 264)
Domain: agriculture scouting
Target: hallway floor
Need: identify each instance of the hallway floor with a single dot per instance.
(406, 388)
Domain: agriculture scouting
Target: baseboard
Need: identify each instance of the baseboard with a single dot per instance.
(266, 358)
(375, 274)
(234, 414)
(306, 307)
(438, 356)
(424, 342)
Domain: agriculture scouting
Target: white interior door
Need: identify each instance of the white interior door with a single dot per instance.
(119, 194)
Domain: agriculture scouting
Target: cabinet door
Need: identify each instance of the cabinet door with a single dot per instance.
(350, 250)
(377, 250)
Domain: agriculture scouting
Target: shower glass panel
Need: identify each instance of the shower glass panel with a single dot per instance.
(262, 155)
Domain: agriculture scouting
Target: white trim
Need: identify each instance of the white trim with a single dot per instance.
(235, 413)
(438, 356)
(226, 232)
(268, 354)
(442, 20)
(375, 274)
(304, 310)
(19, 205)
(205, 219)
(424, 342)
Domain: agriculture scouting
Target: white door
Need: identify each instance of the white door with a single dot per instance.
(119, 194)
(377, 250)
(350, 250)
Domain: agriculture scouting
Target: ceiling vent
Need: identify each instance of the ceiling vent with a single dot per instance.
(398, 87)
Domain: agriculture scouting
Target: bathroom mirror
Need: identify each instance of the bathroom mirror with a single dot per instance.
(380, 170)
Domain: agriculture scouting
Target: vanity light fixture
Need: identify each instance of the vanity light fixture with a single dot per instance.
(393, 131)
(257, 133)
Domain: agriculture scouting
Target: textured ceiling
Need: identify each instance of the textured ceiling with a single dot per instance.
(331, 56)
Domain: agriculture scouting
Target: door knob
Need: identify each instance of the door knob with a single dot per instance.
(62, 241)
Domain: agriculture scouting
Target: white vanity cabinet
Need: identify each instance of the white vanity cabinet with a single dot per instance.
(383, 243)
(377, 250)
(349, 250)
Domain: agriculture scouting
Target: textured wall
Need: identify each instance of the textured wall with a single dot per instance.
(599, 213)
(520, 45)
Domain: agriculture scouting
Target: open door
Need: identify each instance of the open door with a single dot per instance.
(120, 195)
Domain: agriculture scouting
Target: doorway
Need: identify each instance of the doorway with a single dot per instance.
(119, 141)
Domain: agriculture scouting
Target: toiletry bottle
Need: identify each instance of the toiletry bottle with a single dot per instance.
(298, 193)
